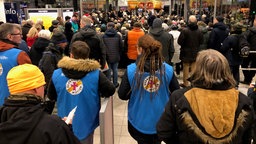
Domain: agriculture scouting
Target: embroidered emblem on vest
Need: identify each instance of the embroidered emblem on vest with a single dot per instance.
(74, 87)
(1, 69)
(151, 83)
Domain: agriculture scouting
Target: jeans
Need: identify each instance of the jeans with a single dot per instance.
(113, 67)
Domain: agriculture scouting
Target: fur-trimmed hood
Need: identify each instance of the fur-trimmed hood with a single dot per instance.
(77, 68)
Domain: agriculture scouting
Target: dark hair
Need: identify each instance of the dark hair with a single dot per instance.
(80, 50)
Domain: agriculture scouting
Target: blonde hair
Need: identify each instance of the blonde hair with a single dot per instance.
(211, 68)
(38, 26)
(45, 34)
(33, 32)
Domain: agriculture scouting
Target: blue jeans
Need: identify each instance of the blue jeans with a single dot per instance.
(113, 67)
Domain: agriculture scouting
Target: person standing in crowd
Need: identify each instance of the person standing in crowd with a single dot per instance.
(190, 40)
(25, 28)
(130, 42)
(203, 27)
(94, 41)
(176, 56)
(54, 25)
(114, 46)
(212, 110)
(52, 55)
(23, 116)
(83, 85)
(147, 84)
(39, 46)
(32, 36)
(249, 62)
(10, 55)
(74, 22)
(230, 49)
(218, 34)
(166, 39)
(69, 34)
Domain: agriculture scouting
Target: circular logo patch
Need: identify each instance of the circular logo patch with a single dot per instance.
(1, 69)
(151, 83)
(74, 87)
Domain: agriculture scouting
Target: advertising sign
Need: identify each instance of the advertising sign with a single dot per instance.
(67, 12)
(47, 15)
(12, 13)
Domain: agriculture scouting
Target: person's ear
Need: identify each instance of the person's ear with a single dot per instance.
(139, 50)
(71, 55)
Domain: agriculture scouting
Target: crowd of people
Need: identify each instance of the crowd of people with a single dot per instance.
(76, 62)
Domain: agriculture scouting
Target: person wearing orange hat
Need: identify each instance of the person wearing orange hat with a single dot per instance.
(23, 118)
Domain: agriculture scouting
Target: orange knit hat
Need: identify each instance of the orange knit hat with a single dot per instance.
(24, 77)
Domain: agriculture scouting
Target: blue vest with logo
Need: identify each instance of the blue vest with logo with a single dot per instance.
(82, 93)
(147, 103)
(8, 60)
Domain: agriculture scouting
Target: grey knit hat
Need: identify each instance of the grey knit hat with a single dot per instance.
(157, 23)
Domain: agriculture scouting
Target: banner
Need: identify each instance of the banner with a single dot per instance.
(12, 13)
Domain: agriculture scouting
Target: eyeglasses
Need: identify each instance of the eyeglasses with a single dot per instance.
(17, 34)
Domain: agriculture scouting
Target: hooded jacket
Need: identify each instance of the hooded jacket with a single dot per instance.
(114, 45)
(217, 36)
(24, 121)
(97, 47)
(198, 115)
(37, 49)
(166, 40)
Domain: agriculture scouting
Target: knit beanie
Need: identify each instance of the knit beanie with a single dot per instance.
(157, 23)
(55, 22)
(24, 77)
(58, 38)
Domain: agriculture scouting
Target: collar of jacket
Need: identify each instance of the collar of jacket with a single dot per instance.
(84, 65)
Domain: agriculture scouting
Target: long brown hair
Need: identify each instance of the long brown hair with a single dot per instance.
(151, 50)
(211, 67)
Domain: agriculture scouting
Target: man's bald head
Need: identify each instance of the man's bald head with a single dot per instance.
(192, 19)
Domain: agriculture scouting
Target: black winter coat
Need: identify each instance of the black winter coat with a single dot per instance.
(25, 30)
(26, 122)
(190, 40)
(180, 125)
(217, 36)
(230, 49)
(37, 49)
(167, 42)
(94, 41)
(114, 45)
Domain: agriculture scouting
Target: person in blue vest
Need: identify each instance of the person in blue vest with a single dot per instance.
(10, 54)
(147, 84)
(79, 84)
(23, 117)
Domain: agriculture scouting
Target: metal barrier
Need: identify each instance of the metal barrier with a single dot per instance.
(106, 121)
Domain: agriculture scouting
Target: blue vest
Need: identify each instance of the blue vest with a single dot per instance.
(147, 103)
(8, 60)
(82, 93)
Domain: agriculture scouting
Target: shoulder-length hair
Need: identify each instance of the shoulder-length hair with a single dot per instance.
(211, 68)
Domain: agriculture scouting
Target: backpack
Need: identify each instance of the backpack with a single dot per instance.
(42, 60)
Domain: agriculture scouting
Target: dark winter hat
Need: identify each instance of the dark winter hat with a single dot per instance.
(219, 18)
(151, 19)
(58, 38)
(157, 23)
(67, 18)
(55, 22)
